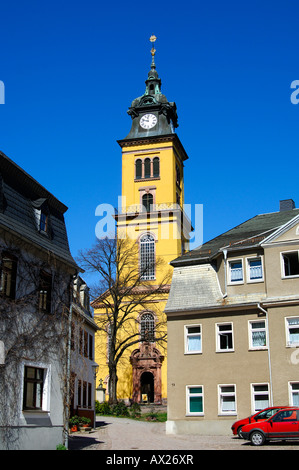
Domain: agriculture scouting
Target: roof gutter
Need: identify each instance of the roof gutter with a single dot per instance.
(211, 309)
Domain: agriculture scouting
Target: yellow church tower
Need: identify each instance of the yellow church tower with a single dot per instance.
(151, 214)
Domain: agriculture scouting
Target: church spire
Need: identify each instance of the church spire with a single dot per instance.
(152, 114)
(153, 82)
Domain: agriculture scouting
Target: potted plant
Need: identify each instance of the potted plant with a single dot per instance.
(74, 423)
(84, 423)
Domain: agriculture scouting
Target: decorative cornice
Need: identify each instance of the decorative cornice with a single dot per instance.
(154, 139)
(139, 290)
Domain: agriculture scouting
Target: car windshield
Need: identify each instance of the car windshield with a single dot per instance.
(266, 414)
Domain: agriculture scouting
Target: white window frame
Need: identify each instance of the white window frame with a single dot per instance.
(293, 392)
(146, 253)
(254, 258)
(283, 274)
(222, 394)
(287, 330)
(198, 394)
(46, 386)
(187, 335)
(230, 261)
(250, 332)
(218, 334)
(254, 394)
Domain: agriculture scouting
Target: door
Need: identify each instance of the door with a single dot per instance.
(285, 424)
(147, 386)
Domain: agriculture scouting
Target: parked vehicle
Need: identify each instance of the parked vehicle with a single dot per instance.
(284, 425)
(258, 416)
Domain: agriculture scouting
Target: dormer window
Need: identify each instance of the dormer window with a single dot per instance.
(84, 297)
(235, 271)
(42, 215)
(81, 293)
(255, 270)
(85, 300)
(43, 224)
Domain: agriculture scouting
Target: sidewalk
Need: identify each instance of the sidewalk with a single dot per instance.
(112, 434)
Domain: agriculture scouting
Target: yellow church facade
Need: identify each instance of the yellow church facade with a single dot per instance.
(152, 217)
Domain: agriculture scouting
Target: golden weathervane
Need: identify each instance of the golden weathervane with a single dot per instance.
(153, 40)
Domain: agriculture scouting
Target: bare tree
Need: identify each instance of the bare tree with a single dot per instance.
(121, 292)
(33, 324)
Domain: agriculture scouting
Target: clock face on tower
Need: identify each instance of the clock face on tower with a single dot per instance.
(148, 121)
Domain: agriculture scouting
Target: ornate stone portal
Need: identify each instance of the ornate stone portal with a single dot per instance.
(146, 362)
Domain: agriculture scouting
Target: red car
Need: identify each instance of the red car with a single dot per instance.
(258, 416)
(284, 425)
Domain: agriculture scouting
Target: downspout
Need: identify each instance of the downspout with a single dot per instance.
(269, 355)
(225, 273)
(68, 378)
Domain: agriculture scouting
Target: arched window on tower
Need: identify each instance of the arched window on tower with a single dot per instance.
(156, 167)
(147, 327)
(147, 201)
(147, 168)
(138, 169)
(178, 175)
(147, 257)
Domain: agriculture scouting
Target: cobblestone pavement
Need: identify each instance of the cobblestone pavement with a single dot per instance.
(113, 433)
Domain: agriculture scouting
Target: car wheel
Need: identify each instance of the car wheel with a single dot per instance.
(239, 430)
(257, 438)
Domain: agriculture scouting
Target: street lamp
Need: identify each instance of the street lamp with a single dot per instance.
(95, 368)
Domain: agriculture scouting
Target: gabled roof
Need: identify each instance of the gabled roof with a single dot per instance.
(248, 234)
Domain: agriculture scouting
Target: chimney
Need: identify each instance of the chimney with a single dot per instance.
(286, 205)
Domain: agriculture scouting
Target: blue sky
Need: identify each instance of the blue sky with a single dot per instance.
(71, 70)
